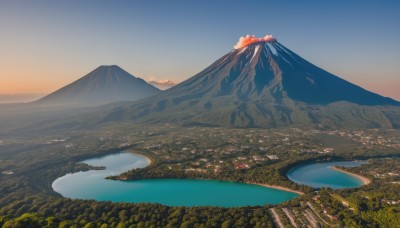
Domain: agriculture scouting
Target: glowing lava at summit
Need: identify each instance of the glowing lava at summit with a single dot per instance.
(244, 41)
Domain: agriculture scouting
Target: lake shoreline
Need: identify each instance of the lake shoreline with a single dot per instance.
(148, 159)
(279, 188)
(363, 179)
(171, 192)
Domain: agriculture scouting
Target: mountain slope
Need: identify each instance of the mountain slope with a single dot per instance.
(103, 85)
(264, 84)
(269, 71)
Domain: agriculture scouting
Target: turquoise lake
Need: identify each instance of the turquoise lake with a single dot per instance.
(173, 192)
(321, 174)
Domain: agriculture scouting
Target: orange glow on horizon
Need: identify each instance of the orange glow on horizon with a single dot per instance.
(33, 78)
(31, 81)
(45, 86)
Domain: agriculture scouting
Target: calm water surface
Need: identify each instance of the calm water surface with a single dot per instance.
(321, 174)
(173, 192)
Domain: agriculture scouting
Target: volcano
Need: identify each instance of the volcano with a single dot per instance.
(105, 84)
(264, 84)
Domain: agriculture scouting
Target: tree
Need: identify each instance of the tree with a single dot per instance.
(121, 225)
(90, 225)
(226, 224)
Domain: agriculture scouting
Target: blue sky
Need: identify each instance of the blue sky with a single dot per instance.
(47, 44)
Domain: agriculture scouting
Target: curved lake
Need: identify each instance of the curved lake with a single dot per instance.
(321, 174)
(173, 192)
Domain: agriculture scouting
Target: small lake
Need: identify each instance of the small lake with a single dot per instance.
(173, 192)
(321, 174)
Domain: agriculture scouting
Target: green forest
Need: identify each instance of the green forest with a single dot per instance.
(27, 199)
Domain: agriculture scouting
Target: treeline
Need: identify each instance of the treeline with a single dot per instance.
(363, 210)
(61, 212)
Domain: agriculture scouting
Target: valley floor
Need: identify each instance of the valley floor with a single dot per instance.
(244, 155)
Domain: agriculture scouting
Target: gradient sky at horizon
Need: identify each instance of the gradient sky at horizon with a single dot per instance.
(45, 45)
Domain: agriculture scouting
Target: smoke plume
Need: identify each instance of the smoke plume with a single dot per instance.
(161, 84)
(244, 41)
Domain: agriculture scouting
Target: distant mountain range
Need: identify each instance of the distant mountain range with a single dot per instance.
(264, 84)
(162, 84)
(105, 84)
